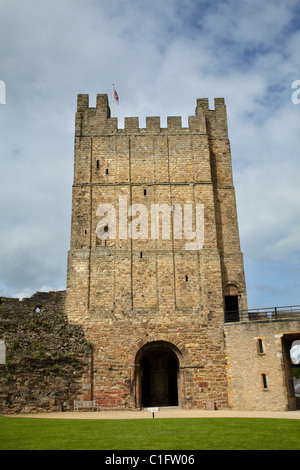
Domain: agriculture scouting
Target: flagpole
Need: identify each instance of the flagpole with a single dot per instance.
(113, 98)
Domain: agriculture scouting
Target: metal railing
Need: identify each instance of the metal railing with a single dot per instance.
(269, 313)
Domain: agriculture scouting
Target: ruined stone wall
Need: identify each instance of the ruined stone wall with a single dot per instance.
(44, 358)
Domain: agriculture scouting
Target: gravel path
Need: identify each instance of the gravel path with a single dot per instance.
(164, 413)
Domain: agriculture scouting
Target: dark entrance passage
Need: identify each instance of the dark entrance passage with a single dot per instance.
(231, 303)
(159, 377)
(231, 308)
(292, 373)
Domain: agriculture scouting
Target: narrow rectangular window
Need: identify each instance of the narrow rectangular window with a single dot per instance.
(260, 346)
(141, 254)
(97, 163)
(145, 192)
(186, 278)
(107, 171)
(264, 381)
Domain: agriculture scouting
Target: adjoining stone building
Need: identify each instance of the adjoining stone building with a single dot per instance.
(155, 281)
(258, 360)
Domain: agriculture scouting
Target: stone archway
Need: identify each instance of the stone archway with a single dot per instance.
(158, 381)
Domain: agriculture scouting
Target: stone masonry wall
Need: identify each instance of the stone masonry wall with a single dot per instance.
(46, 358)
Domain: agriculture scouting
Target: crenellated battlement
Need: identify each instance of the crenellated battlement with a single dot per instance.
(98, 120)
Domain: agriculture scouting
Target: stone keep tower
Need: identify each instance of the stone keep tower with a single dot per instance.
(152, 308)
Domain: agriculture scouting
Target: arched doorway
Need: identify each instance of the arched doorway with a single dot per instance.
(157, 375)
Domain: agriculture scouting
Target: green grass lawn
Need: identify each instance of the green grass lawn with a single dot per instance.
(149, 434)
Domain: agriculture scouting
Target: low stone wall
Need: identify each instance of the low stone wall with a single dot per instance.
(43, 358)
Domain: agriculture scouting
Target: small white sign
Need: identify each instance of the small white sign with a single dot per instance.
(2, 352)
(153, 410)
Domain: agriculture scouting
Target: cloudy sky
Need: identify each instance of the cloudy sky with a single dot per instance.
(162, 56)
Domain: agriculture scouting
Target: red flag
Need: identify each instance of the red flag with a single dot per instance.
(116, 96)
